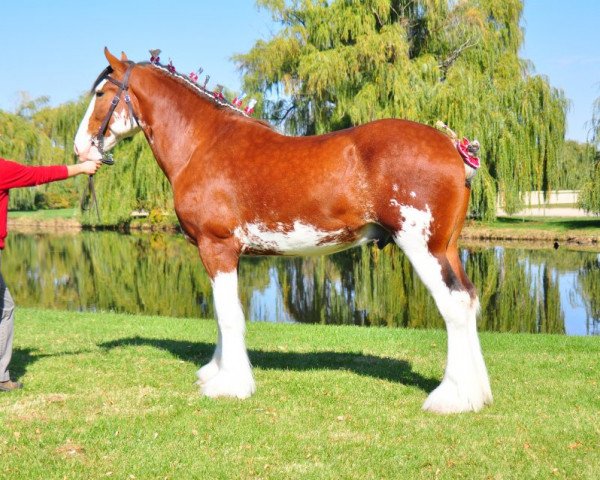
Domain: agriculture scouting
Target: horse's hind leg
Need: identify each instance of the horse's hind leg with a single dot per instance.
(457, 267)
(463, 387)
(229, 372)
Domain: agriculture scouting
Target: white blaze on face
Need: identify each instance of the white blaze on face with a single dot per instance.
(83, 139)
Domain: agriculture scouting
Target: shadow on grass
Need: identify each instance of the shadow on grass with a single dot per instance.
(390, 369)
(581, 224)
(23, 357)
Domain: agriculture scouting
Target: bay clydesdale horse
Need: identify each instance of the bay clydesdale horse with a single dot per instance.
(241, 188)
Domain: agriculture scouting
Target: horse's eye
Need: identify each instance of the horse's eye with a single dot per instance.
(99, 94)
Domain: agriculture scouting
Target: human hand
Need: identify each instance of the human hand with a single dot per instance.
(90, 166)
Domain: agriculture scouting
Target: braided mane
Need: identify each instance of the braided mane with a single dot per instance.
(198, 90)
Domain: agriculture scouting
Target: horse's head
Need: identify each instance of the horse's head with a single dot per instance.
(110, 116)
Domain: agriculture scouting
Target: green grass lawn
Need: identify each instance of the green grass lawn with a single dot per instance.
(578, 230)
(557, 224)
(112, 396)
(67, 213)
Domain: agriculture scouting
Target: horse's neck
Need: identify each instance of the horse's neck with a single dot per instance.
(175, 120)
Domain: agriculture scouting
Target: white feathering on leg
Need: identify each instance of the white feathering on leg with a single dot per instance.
(229, 373)
(465, 386)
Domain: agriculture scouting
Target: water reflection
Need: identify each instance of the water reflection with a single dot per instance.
(520, 290)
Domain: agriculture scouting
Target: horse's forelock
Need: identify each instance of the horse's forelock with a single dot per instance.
(105, 73)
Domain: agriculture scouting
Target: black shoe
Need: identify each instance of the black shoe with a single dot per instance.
(9, 386)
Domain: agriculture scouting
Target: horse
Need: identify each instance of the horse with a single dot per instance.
(242, 188)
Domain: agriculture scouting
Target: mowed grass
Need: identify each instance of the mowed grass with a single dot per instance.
(544, 229)
(587, 225)
(60, 213)
(112, 396)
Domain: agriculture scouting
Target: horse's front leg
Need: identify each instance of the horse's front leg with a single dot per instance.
(229, 373)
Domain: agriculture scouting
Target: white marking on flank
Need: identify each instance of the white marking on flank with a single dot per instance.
(300, 239)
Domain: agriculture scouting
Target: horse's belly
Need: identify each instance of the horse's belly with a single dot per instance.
(301, 239)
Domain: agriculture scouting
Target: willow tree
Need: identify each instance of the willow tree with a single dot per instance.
(576, 165)
(40, 135)
(134, 182)
(338, 63)
(589, 198)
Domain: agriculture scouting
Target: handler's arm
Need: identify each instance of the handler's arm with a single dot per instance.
(15, 175)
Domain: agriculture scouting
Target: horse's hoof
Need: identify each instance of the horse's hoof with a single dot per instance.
(226, 384)
(208, 371)
(447, 398)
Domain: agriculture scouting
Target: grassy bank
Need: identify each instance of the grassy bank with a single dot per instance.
(111, 396)
(550, 229)
(543, 229)
(43, 220)
(41, 215)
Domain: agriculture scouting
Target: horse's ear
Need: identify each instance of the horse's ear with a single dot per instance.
(123, 57)
(117, 65)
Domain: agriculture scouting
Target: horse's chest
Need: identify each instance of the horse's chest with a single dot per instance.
(297, 239)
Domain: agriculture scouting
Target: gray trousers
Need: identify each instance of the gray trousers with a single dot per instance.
(7, 322)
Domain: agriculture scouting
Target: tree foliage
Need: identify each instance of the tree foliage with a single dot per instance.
(134, 182)
(589, 197)
(339, 63)
(42, 135)
(576, 165)
(25, 138)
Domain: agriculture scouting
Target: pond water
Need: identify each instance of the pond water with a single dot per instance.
(521, 290)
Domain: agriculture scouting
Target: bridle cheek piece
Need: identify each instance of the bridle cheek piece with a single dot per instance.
(98, 139)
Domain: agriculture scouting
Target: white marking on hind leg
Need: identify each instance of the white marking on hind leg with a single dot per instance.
(461, 389)
(229, 373)
(465, 386)
(477, 353)
(211, 369)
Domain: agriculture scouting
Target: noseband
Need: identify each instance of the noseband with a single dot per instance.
(98, 140)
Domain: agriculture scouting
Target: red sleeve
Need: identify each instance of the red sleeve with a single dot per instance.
(14, 175)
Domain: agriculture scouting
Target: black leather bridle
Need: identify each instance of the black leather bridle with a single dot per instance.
(98, 139)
